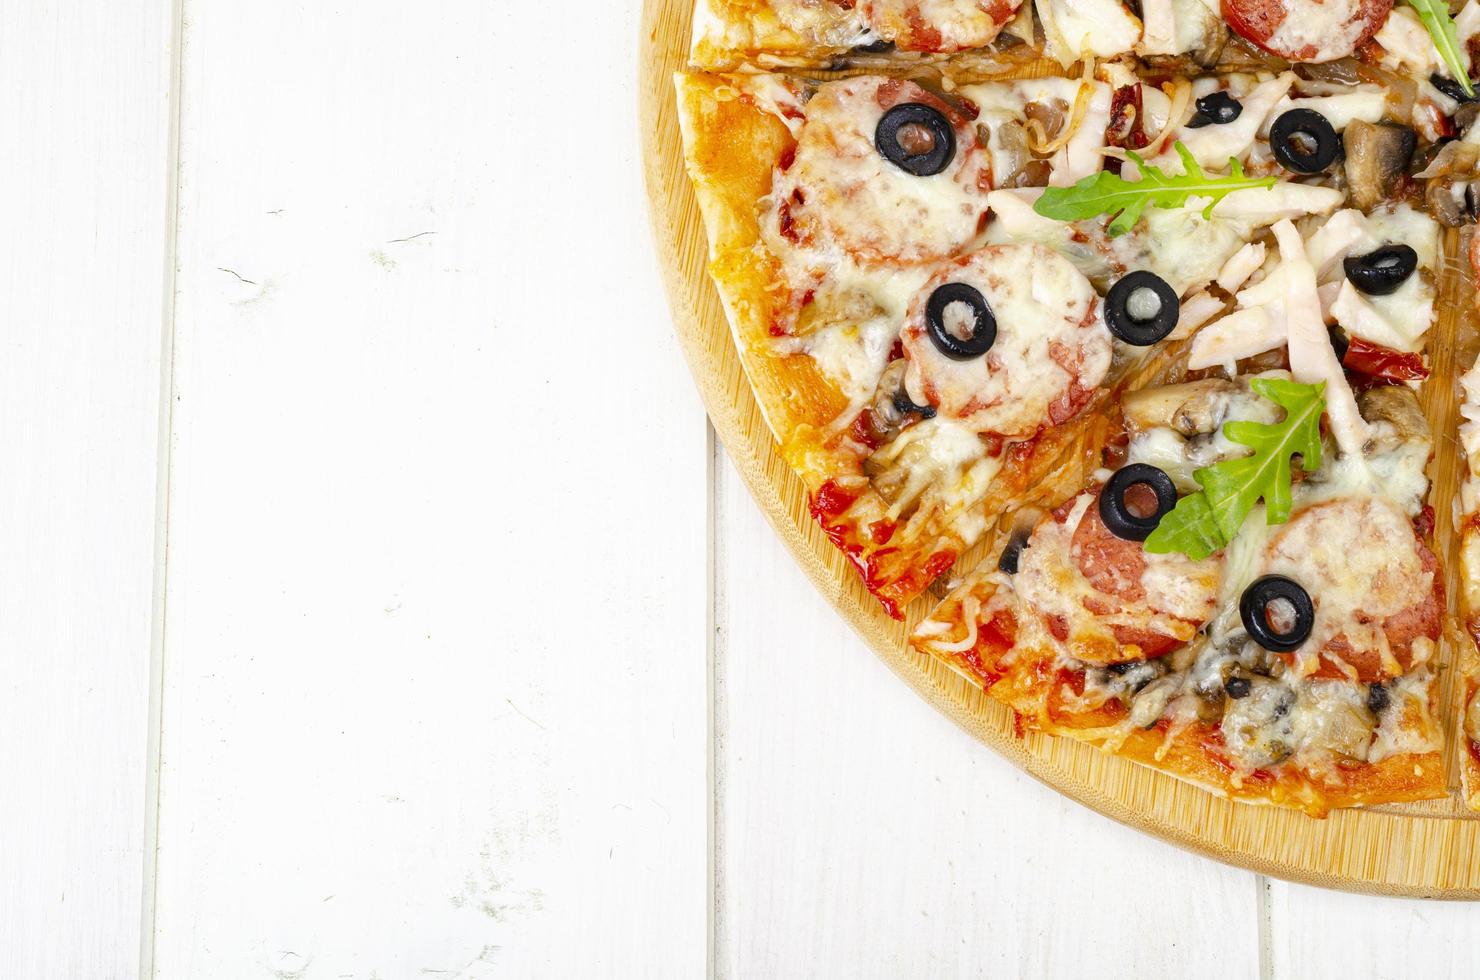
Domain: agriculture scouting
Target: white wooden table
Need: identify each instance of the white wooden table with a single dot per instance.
(319, 322)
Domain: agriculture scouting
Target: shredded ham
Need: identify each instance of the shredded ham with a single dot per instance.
(1311, 357)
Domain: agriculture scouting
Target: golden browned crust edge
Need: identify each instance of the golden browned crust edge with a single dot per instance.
(731, 148)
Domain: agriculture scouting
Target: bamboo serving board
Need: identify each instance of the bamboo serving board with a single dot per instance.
(1427, 849)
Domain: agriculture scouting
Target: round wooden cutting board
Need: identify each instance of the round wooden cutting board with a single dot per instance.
(1427, 849)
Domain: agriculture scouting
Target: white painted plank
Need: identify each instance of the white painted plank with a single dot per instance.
(1320, 933)
(861, 834)
(84, 92)
(435, 657)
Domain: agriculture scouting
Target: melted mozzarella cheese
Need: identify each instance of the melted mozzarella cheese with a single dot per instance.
(1170, 596)
(1406, 45)
(1318, 31)
(1050, 346)
(1176, 26)
(1005, 102)
(841, 198)
(1074, 29)
(1360, 562)
(1400, 319)
(853, 356)
(936, 25)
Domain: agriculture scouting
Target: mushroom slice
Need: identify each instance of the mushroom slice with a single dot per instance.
(1377, 155)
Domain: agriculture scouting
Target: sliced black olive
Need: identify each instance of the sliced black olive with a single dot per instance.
(905, 406)
(1124, 667)
(1008, 563)
(1215, 109)
(1253, 609)
(1303, 141)
(1117, 514)
(1382, 271)
(1238, 687)
(916, 138)
(1339, 341)
(1141, 318)
(876, 46)
(1451, 88)
(1378, 699)
(983, 328)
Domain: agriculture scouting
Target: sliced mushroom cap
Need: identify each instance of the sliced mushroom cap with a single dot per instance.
(1399, 407)
(1191, 408)
(1448, 201)
(1377, 156)
(892, 408)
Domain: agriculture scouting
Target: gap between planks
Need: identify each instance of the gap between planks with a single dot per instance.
(718, 648)
(154, 737)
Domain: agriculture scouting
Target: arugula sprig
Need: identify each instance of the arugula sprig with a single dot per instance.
(1107, 193)
(1205, 521)
(1436, 20)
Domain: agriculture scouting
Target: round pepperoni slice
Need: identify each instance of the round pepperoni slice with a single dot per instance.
(839, 193)
(1378, 594)
(1104, 597)
(1307, 30)
(1047, 356)
(938, 25)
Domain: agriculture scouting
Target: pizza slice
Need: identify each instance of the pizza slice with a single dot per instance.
(1181, 36)
(728, 34)
(1244, 594)
(925, 357)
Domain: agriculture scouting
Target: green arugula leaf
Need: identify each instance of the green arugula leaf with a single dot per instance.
(1108, 193)
(1205, 521)
(1189, 528)
(1436, 20)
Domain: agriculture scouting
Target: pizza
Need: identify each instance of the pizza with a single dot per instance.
(1103, 342)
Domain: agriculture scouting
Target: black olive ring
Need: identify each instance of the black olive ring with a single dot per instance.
(1119, 518)
(1141, 332)
(1285, 139)
(1452, 88)
(1012, 555)
(983, 329)
(1253, 608)
(932, 161)
(1215, 109)
(1381, 271)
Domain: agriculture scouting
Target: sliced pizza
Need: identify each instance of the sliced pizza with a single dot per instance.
(923, 341)
(1183, 37)
(1294, 664)
(727, 34)
(1245, 594)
